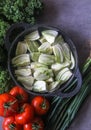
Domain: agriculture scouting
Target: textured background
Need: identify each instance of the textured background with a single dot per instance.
(74, 17)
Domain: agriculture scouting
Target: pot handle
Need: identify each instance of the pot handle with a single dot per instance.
(75, 90)
(13, 31)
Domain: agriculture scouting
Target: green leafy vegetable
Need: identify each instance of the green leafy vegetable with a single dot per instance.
(21, 10)
(5, 80)
(3, 28)
(3, 57)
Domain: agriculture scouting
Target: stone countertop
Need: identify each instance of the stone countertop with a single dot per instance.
(74, 17)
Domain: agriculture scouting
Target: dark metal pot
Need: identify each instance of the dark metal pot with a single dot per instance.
(16, 33)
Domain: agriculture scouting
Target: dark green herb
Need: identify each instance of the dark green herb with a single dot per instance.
(3, 56)
(3, 28)
(21, 10)
(5, 81)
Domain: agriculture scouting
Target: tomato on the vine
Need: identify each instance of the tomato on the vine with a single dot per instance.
(19, 93)
(25, 114)
(9, 123)
(36, 124)
(8, 105)
(41, 105)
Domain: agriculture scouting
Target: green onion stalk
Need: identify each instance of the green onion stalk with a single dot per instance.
(63, 111)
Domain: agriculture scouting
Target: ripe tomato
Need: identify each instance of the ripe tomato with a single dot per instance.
(9, 123)
(19, 93)
(41, 105)
(8, 105)
(36, 124)
(25, 115)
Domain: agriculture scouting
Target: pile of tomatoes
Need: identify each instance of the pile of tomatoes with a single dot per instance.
(19, 113)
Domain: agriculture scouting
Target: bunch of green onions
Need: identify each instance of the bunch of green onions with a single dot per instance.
(63, 111)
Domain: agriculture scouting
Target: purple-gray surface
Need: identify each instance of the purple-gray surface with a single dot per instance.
(74, 17)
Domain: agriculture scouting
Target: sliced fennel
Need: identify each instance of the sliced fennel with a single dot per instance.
(21, 48)
(21, 60)
(45, 48)
(42, 40)
(36, 65)
(61, 72)
(33, 36)
(43, 74)
(52, 85)
(72, 61)
(50, 35)
(59, 66)
(50, 80)
(66, 76)
(34, 56)
(59, 40)
(39, 86)
(43, 61)
(32, 46)
(46, 59)
(23, 72)
(58, 52)
(27, 81)
(66, 51)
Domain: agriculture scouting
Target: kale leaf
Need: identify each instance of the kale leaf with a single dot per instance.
(21, 10)
(5, 80)
(3, 28)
